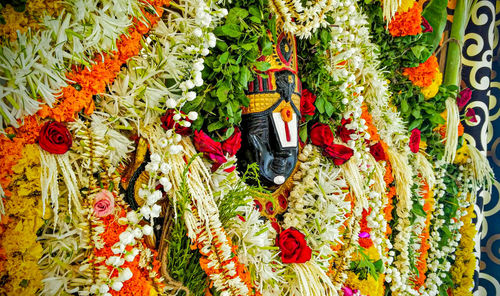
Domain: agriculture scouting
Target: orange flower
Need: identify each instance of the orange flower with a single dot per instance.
(372, 129)
(421, 265)
(407, 23)
(423, 74)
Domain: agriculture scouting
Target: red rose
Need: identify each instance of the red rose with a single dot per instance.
(343, 132)
(415, 140)
(378, 152)
(464, 97)
(210, 148)
(233, 143)
(168, 122)
(307, 104)
(293, 246)
(339, 153)
(55, 138)
(471, 114)
(321, 135)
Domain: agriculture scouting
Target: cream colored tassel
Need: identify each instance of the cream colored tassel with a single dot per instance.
(311, 280)
(351, 173)
(452, 121)
(403, 176)
(49, 182)
(390, 7)
(480, 168)
(71, 183)
(425, 169)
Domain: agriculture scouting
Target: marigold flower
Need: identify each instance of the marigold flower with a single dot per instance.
(424, 74)
(407, 23)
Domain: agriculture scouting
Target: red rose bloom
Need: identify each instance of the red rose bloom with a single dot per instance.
(233, 143)
(210, 148)
(415, 140)
(321, 135)
(471, 114)
(307, 104)
(55, 138)
(343, 132)
(378, 152)
(339, 153)
(293, 246)
(464, 97)
(167, 122)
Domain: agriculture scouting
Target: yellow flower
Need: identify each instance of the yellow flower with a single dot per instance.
(405, 5)
(31, 17)
(462, 154)
(462, 271)
(18, 242)
(431, 90)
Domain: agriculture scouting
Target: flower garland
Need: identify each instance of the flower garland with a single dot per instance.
(30, 78)
(424, 74)
(19, 249)
(29, 19)
(462, 271)
(302, 21)
(407, 23)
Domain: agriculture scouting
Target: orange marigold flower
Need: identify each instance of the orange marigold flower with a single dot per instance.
(407, 23)
(423, 74)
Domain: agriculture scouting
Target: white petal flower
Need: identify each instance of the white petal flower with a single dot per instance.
(147, 230)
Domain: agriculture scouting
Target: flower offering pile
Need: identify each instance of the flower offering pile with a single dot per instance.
(233, 148)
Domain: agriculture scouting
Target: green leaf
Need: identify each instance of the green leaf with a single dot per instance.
(416, 113)
(247, 46)
(435, 13)
(224, 57)
(418, 210)
(222, 92)
(262, 66)
(266, 47)
(221, 45)
(303, 133)
(254, 11)
(235, 15)
(320, 104)
(437, 119)
(419, 51)
(215, 126)
(329, 108)
(404, 106)
(230, 30)
(415, 124)
(244, 76)
(255, 19)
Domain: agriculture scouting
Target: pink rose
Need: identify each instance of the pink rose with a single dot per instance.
(104, 203)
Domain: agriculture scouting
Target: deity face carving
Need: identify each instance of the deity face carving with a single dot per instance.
(270, 124)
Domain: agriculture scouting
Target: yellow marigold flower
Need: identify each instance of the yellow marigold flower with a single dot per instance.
(14, 21)
(462, 155)
(462, 271)
(18, 243)
(431, 90)
(405, 5)
(31, 17)
(370, 286)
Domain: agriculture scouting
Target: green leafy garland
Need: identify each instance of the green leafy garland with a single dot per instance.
(242, 39)
(409, 51)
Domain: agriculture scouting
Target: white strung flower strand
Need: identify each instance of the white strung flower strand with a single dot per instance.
(34, 65)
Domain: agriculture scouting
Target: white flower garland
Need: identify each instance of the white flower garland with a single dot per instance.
(302, 21)
(34, 65)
